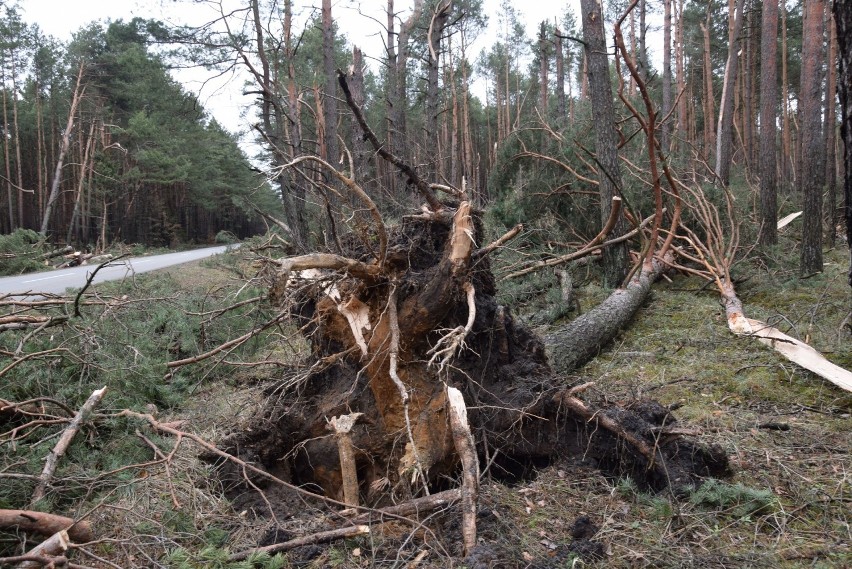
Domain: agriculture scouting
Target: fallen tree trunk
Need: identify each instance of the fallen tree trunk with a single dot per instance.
(580, 340)
(794, 350)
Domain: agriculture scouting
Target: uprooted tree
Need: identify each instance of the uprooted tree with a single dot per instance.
(398, 321)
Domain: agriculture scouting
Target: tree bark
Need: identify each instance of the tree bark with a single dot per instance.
(725, 129)
(46, 524)
(830, 127)
(615, 259)
(768, 105)
(580, 340)
(665, 127)
(811, 177)
(843, 21)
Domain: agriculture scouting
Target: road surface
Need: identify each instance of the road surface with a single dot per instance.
(56, 282)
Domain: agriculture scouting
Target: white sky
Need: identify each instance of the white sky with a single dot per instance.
(61, 18)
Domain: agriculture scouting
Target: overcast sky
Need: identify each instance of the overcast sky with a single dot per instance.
(61, 18)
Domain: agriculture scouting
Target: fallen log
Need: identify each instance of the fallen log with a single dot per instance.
(580, 340)
(46, 524)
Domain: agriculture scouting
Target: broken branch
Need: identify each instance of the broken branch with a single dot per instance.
(413, 178)
(64, 442)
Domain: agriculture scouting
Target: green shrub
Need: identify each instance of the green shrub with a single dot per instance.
(21, 252)
(735, 499)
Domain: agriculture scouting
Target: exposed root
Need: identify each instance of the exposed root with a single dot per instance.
(453, 341)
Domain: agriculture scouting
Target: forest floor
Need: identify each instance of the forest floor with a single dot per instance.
(788, 504)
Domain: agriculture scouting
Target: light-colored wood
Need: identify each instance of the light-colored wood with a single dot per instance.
(64, 442)
(801, 353)
(57, 544)
(465, 447)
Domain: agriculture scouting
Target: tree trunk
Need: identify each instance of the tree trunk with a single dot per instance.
(787, 170)
(560, 78)
(843, 21)
(811, 177)
(725, 130)
(360, 154)
(401, 100)
(665, 127)
(709, 98)
(768, 131)
(78, 199)
(643, 63)
(22, 220)
(830, 127)
(615, 259)
(433, 99)
(680, 76)
(10, 193)
(543, 68)
(747, 91)
(79, 89)
(329, 100)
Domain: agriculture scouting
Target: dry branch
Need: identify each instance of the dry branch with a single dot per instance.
(413, 178)
(64, 442)
(227, 345)
(46, 524)
(587, 249)
(499, 242)
(314, 538)
(413, 507)
(466, 448)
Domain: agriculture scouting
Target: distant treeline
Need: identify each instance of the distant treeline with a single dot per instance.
(102, 145)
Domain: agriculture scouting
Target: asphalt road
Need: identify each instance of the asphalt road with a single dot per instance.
(55, 282)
